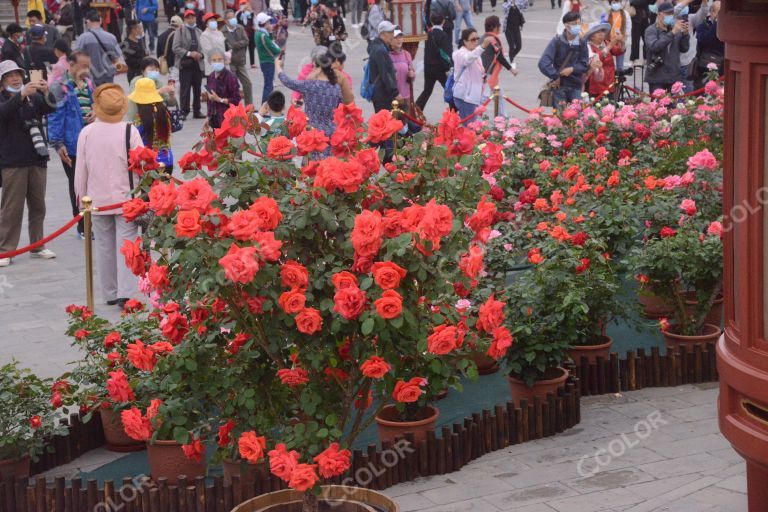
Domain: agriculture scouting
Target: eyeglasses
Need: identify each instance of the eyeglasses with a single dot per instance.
(473, 39)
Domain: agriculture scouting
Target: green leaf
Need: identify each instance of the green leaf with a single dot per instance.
(367, 327)
(322, 433)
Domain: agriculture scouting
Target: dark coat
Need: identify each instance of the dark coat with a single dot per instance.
(16, 148)
(555, 55)
(381, 72)
(437, 63)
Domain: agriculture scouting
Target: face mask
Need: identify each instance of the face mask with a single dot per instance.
(190, 25)
(20, 39)
(615, 6)
(12, 90)
(575, 30)
(213, 25)
(653, 8)
(669, 20)
(683, 11)
(217, 66)
(154, 74)
(233, 22)
(190, 6)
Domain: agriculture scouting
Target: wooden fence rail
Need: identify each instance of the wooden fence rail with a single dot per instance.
(403, 460)
(641, 370)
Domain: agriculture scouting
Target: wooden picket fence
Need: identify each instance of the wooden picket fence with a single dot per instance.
(81, 438)
(401, 461)
(640, 370)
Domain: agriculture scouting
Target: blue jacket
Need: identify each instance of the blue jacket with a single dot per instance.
(554, 56)
(150, 6)
(65, 124)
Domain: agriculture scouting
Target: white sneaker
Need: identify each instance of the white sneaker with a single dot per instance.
(4, 262)
(46, 254)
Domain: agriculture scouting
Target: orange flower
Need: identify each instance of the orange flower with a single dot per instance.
(332, 461)
(344, 279)
(349, 302)
(381, 126)
(267, 213)
(490, 315)
(118, 387)
(135, 425)
(472, 263)
(194, 450)
(502, 340)
(282, 462)
(251, 447)
(375, 367)
(444, 339)
(292, 301)
(409, 392)
(279, 148)
(309, 321)
(294, 275)
(188, 223)
(534, 256)
(390, 305)
(303, 476)
(367, 233)
(141, 356)
(387, 274)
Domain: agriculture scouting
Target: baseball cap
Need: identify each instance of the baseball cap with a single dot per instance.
(210, 16)
(398, 32)
(189, 12)
(263, 18)
(386, 26)
(36, 31)
(666, 7)
(176, 21)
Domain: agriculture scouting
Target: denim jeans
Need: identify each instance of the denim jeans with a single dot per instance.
(687, 84)
(565, 95)
(465, 109)
(150, 29)
(268, 69)
(467, 17)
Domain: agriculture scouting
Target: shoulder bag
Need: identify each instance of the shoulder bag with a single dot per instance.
(547, 94)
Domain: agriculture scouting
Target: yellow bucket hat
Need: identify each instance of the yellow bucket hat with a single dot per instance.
(145, 92)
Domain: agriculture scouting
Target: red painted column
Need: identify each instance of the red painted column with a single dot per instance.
(743, 349)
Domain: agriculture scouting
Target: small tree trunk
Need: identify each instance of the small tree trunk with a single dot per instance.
(310, 503)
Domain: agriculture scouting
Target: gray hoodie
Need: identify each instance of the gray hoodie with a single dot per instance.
(668, 46)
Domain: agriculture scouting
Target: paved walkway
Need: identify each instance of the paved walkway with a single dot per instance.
(658, 450)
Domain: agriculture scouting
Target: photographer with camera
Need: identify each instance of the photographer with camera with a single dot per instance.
(667, 39)
(23, 157)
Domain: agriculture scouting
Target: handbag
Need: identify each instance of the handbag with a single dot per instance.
(143, 220)
(177, 119)
(547, 92)
(450, 83)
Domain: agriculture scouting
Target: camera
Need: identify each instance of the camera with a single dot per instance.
(624, 72)
(655, 63)
(38, 141)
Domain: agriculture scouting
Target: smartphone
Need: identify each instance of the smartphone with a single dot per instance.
(35, 75)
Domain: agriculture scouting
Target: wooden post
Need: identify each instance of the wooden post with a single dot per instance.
(87, 233)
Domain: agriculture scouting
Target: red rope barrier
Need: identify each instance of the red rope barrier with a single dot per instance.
(477, 111)
(412, 119)
(43, 241)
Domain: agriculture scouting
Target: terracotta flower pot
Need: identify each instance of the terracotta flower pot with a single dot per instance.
(709, 334)
(247, 472)
(114, 433)
(391, 427)
(339, 498)
(554, 379)
(167, 459)
(485, 365)
(654, 306)
(715, 313)
(14, 468)
(601, 348)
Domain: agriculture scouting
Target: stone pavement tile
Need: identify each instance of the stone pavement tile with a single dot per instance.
(684, 465)
(415, 501)
(531, 495)
(475, 505)
(661, 492)
(417, 485)
(463, 491)
(732, 500)
(609, 399)
(737, 483)
(640, 410)
(501, 467)
(696, 413)
(608, 419)
(682, 447)
(540, 475)
(632, 457)
(605, 480)
(577, 434)
(702, 396)
(727, 454)
(687, 429)
(654, 393)
(596, 501)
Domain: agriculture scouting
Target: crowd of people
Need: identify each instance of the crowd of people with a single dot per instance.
(57, 74)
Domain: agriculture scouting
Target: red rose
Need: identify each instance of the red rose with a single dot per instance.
(135, 425)
(292, 301)
(375, 367)
(251, 446)
(293, 377)
(344, 279)
(111, 339)
(381, 126)
(243, 224)
(174, 327)
(294, 275)
(534, 256)
(310, 141)
(157, 275)
(133, 208)
(296, 121)
(267, 213)
(135, 258)
(309, 321)
(224, 431)
(502, 340)
(583, 266)
(269, 248)
(162, 197)
(483, 217)
(282, 462)
(579, 238)
(332, 461)
(390, 305)
(141, 357)
(667, 232)
(194, 450)
(444, 339)
(133, 306)
(490, 315)
(279, 148)
(349, 302)
(497, 193)
(35, 422)
(118, 388)
(303, 477)
(142, 159)
(348, 115)
(240, 265)
(409, 392)
(56, 400)
(369, 159)
(387, 274)
(472, 263)
(367, 233)
(195, 194)
(188, 223)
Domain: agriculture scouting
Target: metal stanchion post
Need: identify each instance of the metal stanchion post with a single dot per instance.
(496, 98)
(396, 115)
(88, 233)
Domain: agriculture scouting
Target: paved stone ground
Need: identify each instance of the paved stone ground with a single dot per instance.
(684, 466)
